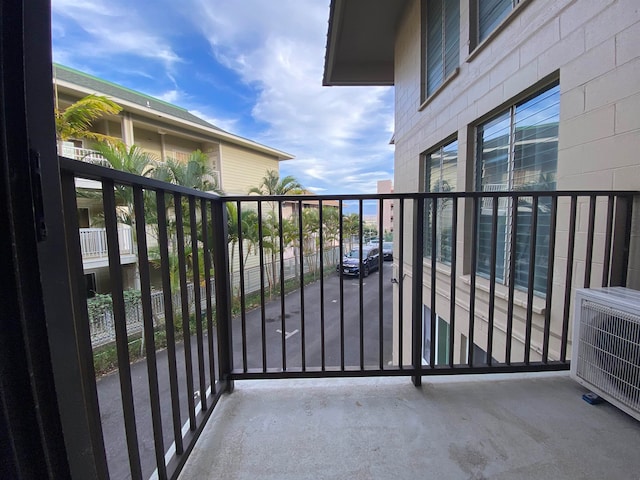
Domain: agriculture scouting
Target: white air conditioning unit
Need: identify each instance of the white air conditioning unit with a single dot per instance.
(606, 345)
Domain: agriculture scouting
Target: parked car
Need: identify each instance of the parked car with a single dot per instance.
(351, 261)
(387, 251)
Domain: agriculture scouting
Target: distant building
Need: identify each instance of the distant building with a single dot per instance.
(386, 186)
(165, 131)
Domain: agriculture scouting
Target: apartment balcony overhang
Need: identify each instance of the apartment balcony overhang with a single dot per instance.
(361, 42)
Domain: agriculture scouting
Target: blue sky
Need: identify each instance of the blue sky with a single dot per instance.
(251, 67)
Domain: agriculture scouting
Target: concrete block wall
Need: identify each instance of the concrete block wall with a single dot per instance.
(591, 47)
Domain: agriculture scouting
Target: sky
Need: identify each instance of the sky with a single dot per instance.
(251, 67)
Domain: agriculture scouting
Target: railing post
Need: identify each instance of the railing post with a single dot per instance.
(223, 292)
(416, 290)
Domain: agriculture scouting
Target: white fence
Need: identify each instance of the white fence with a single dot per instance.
(93, 241)
(102, 326)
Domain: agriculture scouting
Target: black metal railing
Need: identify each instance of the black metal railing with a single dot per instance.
(480, 282)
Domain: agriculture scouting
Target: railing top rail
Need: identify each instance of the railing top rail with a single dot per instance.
(97, 172)
(418, 195)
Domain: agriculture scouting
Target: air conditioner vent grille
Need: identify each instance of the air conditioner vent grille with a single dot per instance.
(609, 352)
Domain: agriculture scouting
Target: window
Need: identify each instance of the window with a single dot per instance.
(440, 176)
(491, 13)
(518, 150)
(441, 23)
(441, 343)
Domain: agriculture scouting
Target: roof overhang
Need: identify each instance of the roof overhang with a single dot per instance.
(361, 42)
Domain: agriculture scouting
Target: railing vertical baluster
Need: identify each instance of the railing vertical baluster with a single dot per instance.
(549, 291)
(569, 278)
(606, 261)
(117, 296)
(492, 276)
(184, 297)
(321, 235)
(163, 244)
(472, 289)
(588, 260)
(361, 281)
(195, 262)
(149, 339)
(223, 292)
(433, 318)
(400, 281)
(380, 278)
(243, 310)
(531, 279)
(416, 290)
(303, 339)
(511, 275)
(263, 333)
(283, 327)
(341, 278)
(205, 207)
(452, 290)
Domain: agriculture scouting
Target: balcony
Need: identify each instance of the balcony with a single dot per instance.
(93, 244)
(467, 297)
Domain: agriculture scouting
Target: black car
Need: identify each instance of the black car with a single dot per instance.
(387, 251)
(351, 261)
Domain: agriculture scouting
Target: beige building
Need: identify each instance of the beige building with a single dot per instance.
(165, 131)
(499, 96)
(386, 186)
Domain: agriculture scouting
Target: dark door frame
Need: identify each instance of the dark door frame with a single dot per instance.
(47, 414)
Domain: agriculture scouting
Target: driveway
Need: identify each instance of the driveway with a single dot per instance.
(109, 386)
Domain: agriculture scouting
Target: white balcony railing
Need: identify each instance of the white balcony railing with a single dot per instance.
(82, 154)
(93, 241)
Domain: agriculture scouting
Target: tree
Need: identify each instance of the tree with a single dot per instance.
(194, 173)
(76, 120)
(351, 227)
(330, 229)
(272, 184)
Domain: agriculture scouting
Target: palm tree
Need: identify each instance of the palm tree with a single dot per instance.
(310, 227)
(76, 120)
(330, 228)
(194, 173)
(351, 227)
(272, 184)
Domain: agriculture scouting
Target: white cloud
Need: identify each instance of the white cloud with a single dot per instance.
(339, 135)
(108, 29)
(278, 47)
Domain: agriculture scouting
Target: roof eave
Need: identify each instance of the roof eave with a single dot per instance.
(361, 42)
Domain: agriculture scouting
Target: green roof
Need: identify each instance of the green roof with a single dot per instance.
(113, 90)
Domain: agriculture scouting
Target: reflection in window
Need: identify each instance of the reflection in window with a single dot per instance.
(442, 42)
(491, 13)
(440, 176)
(518, 151)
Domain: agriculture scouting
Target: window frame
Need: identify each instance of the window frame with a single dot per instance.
(509, 110)
(426, 171)
(475, 44)
(425, 94)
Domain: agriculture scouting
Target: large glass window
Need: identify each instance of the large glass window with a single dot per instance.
(442, 42)
(440, 176)
(518, 151)
(491, 13)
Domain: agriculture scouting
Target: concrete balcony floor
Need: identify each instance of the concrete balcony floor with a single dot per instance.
(526, 426)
